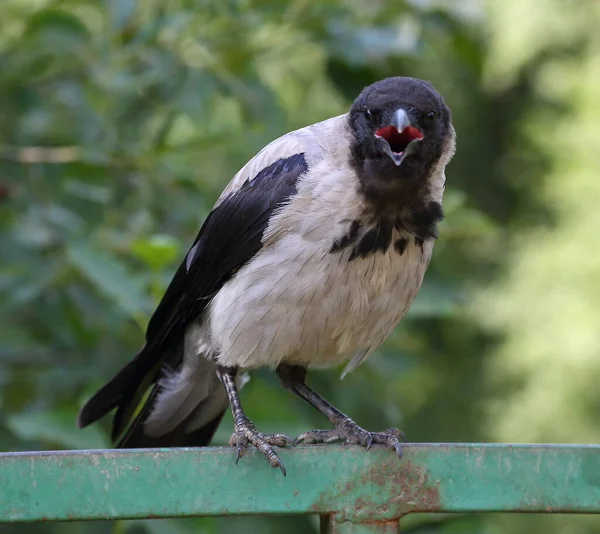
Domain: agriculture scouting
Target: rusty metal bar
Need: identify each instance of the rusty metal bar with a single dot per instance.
(353, 487)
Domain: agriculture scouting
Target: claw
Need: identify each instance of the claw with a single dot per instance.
(282, 467)
(272, 456)
(245, 433)
(350, 432)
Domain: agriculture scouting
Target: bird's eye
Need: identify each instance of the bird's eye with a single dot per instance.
(431, 115)
(372, 115)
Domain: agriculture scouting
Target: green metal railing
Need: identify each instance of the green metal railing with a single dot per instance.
(353, 491)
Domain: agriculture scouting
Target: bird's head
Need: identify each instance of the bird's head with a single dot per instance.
(401, 128)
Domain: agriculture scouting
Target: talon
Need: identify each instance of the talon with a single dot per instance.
(239, 453)
(244, 430)
(281, 466)
(246, 433)
(273, 458)
(350, 432)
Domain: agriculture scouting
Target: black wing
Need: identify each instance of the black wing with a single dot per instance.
(230, 236)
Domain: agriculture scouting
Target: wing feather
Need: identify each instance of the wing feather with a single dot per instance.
(230, 236)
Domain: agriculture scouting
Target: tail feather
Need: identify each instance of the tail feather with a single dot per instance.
(107, 398)
(158, 423)
(161, 402)
(124, 392)
(140, 383)
(184, 408)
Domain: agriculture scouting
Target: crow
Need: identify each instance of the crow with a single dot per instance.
(310, 257)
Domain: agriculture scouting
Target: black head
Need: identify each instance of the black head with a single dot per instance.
(401, 128)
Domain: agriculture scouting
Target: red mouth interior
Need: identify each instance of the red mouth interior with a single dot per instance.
(398, 141)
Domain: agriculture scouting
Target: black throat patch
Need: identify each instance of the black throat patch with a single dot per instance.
(394, 199)
(367, 238)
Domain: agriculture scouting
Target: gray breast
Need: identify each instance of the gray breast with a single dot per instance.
(299, 302)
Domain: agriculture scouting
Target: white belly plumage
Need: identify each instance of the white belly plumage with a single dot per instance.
(300, 304)
(296, 302)
(312, 308)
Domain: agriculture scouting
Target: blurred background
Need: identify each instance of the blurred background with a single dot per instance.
(121, 121)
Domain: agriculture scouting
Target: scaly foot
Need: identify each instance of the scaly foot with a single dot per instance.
(245, 433)
(350, 432)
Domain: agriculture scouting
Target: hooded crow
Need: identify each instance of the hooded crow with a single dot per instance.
(310, 257)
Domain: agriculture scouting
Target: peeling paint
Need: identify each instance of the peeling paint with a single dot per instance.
(383, 491)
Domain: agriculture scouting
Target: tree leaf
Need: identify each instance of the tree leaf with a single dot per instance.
(157, 251)
(110, 276)
(57, 428)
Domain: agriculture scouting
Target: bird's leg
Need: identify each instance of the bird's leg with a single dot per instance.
(293, 376)
(245, 432)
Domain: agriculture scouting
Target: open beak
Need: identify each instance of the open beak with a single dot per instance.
(399, 138)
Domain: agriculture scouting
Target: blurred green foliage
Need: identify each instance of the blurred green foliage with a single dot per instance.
(121, 120)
